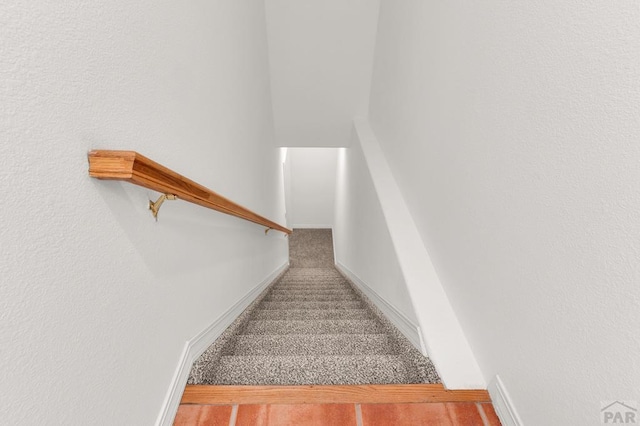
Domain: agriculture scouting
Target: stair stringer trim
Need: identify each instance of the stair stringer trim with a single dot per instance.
(198, 344)
(407, 327)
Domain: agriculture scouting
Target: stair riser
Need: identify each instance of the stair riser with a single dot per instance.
(281, 293)
(307, 290)
(311, 305)
(314, 272)
(318, 314)
(313, 327)
(322, 288)
(312, 279)
(314, 282)
(311, 285)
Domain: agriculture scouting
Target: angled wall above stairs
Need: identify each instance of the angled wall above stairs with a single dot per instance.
(363, 246)
(377, 241)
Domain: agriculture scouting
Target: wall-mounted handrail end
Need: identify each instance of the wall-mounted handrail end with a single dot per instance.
(155, 206)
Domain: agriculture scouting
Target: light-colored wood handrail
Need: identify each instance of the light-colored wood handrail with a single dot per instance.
(129, 166)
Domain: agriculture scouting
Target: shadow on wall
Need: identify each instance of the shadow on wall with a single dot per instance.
(187, 233)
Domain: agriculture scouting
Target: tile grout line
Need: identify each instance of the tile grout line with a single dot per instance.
(485, 420)
(358, 415)
(234, 415)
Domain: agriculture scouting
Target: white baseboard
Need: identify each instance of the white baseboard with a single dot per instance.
(311, 226)
(503, 404)
(196, 346)
(333, 242)
(410, 330)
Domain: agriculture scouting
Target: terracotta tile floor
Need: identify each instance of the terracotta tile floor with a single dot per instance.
(441, 414)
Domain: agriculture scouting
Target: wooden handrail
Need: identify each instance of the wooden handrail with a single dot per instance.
(129, 166)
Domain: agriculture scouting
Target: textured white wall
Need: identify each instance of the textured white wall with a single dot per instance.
(313, 186)
(361, 237)
(442, 336)
(97, 299)
(320, 54)
(512, 130)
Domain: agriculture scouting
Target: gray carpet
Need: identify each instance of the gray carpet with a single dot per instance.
(312, 326)
(311, 248)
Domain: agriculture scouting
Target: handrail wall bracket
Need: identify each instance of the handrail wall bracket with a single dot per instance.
(155, 206)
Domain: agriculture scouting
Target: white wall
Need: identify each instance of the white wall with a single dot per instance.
(313, 186)
(436, 329)
(320, 54)
(97, 299)
(512, 130)
(361, 237)
(286, 177)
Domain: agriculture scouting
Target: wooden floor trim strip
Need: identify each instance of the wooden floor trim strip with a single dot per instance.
(357, 394)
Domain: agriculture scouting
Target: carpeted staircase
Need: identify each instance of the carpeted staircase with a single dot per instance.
(311, 327)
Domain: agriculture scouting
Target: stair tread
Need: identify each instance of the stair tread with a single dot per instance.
(356, 304)
(312, 294)
(312, 327)
(309, 297)
(312, 280)
(332, 326)
(305, 370)
(314, 287)
(312, 290)
(312, 284)
(318, 344)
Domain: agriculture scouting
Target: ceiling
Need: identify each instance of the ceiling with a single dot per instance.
(321, 56)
